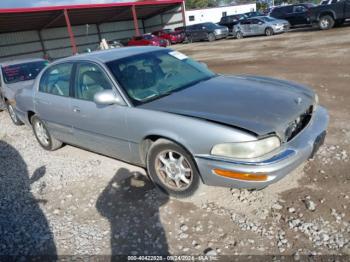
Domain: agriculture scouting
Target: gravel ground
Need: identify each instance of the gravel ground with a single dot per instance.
(73, 202)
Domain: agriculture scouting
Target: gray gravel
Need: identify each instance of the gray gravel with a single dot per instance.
(75, 202)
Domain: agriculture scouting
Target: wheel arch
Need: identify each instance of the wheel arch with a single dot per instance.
(150, 139)
(30, 114)
(328, 12)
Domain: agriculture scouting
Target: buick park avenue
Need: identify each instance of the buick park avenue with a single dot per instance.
(161, 110)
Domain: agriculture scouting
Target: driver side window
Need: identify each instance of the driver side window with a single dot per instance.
(90, 79)
(56, 80)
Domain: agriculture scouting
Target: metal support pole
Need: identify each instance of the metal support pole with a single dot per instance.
(134, 16)
(183, 13)
(70, 32)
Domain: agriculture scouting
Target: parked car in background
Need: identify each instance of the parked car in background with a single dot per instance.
(171, 36)
(253, 14)
(329, 15)
(205, 31)
(296, 15)
(149, 106)
(260, 25)
(230, 21)
(147, 39)
(15, 75)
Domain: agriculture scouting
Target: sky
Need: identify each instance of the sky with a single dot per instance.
(32, 3)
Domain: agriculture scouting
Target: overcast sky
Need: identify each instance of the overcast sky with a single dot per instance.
(31, 3)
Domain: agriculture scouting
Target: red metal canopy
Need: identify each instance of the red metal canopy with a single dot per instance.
(37, 18)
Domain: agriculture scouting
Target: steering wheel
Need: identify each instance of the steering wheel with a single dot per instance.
(170, 74)
(55, 86)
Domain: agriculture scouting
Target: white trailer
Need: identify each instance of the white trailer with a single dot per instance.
(214, 14)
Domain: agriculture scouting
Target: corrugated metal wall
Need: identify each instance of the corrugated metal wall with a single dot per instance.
(56, 42)
(170, 19)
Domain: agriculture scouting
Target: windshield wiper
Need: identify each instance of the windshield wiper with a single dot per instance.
(178, 89)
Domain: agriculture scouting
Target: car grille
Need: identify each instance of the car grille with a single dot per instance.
(298, 124)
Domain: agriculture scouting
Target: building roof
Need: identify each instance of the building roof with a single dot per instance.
(37, 18)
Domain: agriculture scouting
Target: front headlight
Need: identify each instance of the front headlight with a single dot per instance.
(244, 150)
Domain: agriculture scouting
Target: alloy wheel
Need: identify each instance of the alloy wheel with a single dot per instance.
(12, 113)
(174, 170)
(41, 133)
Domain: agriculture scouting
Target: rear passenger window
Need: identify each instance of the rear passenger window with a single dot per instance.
(56, 80)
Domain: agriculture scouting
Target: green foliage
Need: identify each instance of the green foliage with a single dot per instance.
(193, 4)
(261, 6)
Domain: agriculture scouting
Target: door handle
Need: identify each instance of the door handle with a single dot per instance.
(76, 110)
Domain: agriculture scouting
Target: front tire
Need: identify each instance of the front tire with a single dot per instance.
(269, 31)
(172, 169)
(13, 115)
(43, 135)
(326, 22)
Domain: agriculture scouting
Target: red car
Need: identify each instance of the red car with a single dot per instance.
(147, 39)
(172, 37)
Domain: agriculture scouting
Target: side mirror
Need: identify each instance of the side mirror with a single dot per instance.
(204, 64)
(260, 23)
(108, 97)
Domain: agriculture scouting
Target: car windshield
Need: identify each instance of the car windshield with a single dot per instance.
(267, 19)
(149, 76)
(22, 72)
(148, 37)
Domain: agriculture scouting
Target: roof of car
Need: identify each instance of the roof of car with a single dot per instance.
(20, 61)
(113, 54)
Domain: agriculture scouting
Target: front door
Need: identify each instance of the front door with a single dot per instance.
(52, 102)
(347, 9)
(99, 128)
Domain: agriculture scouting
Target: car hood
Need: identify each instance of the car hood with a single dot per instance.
(260, 105)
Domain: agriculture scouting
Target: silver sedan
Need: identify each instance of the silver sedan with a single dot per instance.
(260, 25)
(15, 75)
(161, 110)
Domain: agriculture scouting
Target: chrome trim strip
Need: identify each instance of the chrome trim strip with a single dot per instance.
(277, 158)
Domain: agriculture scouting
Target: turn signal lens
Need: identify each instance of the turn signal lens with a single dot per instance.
(241, 176)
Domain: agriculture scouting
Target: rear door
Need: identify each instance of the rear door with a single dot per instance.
(245, 27)
(256, 27)
(99, 128)
(52, 101)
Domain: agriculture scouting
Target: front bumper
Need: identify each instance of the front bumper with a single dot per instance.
(289, 157)
(280, 29)
(221, 35)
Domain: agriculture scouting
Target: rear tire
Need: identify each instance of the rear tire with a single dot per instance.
(43, 135)
(188, 40)
(269, 31)
(172, 169)
(211, 37)
(239, 35)
(13, 116)
(326, 22)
